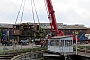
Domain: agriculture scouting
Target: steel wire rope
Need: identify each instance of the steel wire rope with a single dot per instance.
(33, 15)
(22, 11)
(18, 12)
(32, 11)
(36, 12)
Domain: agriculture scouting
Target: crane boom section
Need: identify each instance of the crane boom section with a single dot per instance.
(51, 15)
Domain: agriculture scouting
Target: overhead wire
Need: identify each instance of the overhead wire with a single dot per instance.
(22, 11)
(19, 12)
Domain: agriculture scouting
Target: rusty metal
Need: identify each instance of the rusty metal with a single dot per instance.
(25, 29)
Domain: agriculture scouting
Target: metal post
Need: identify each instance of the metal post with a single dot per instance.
(21, 45)
(8, 34)
(31, 51)
(62, 49)
(76, 44)
(32, 44)
(13, 46)
(13, 43)
(85, 51)
(4, 48)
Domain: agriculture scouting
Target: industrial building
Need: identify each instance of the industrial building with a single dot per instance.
(67, 29)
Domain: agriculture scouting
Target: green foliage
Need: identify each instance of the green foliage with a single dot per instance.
(22, 50)
(82, 47)
(43, 32)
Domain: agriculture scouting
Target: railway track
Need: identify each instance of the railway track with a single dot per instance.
(8, 56)
(11, 55)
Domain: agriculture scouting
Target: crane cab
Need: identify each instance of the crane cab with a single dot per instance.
(60, 44)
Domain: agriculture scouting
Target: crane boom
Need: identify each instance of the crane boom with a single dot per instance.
(52, 18)
(51, 15)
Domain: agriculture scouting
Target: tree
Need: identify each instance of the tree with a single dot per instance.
(42, 32)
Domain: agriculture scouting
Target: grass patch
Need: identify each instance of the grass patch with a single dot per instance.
(83, 47)
(21, 50)
(4, 51)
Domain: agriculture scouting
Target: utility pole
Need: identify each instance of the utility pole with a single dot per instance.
(76, 32)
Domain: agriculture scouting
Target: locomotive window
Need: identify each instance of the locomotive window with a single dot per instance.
(51, 42)
(56, 42)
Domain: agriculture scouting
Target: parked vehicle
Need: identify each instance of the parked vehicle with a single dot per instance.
(23, 42)
(7, 43)
(84, 39)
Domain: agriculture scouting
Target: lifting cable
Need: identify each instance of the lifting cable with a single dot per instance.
(32, 2)
(36, 12)
(18, 12)
(22, 11)
(32, 11)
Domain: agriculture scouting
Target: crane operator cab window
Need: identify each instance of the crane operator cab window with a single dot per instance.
(56, 42)
(61, 44)
(51, 42)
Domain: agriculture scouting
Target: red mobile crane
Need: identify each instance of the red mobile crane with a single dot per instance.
(52, 18)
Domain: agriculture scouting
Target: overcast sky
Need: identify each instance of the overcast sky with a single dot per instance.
(68, 12)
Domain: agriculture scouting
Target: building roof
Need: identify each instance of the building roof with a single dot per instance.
(3, 25)
(74, 27)
(63, 26)
(47, 26)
